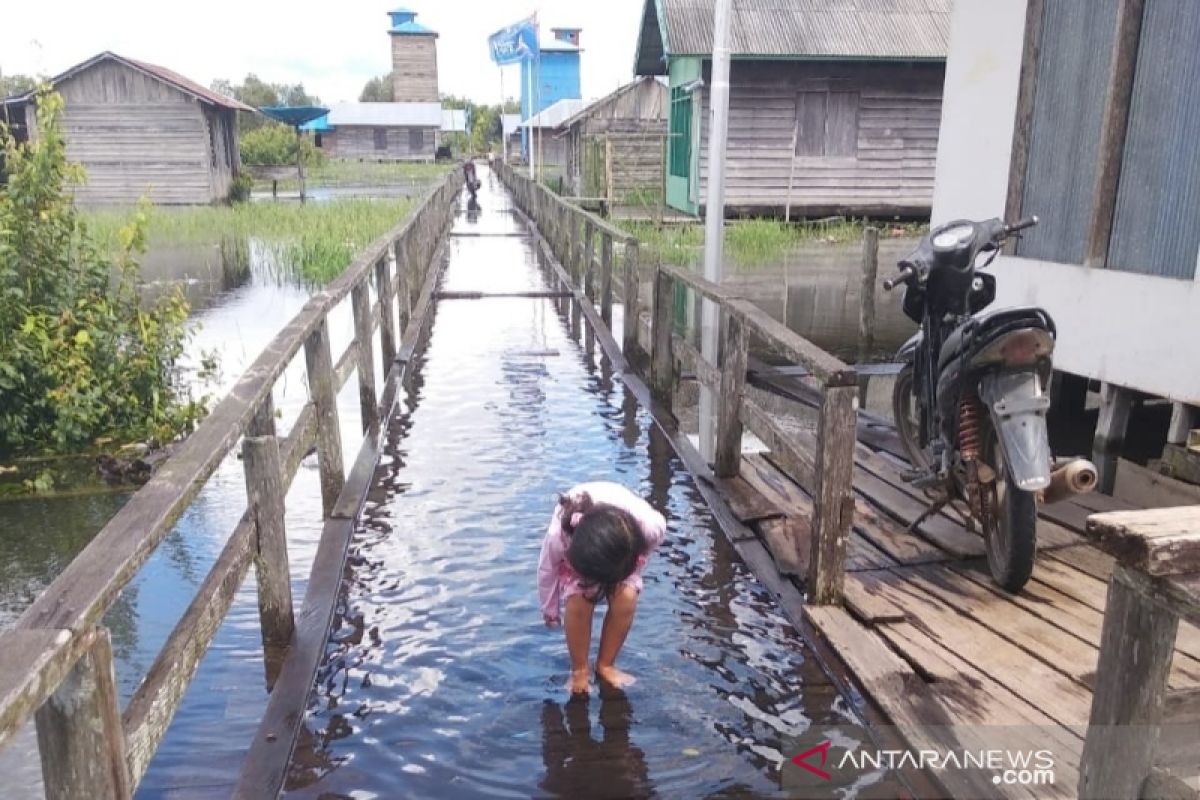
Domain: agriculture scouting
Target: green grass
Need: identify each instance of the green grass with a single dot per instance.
(755, 242)
(312, 243)
(334, 173)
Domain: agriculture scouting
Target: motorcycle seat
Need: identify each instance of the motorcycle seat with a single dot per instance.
(983, 328)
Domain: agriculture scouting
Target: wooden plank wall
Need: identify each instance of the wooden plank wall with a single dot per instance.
(136, 136)
(899, 112)
(414, 69)
(359, 142)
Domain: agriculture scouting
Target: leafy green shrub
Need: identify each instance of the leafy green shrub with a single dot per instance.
(81, 355)
(274, 145)
(240, 191)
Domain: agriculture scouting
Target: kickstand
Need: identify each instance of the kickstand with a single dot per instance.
(936, 506)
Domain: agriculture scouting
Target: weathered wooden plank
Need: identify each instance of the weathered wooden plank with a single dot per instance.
(938, 529)
(1164, 541)
(329, 437)
(735, 350)
(365, 367)
(746, 502)
(891, 538)
(862, 555)
(606, 280)
(826, 367)
(706, 288)
(795, 453)
(662, 361)
(868, 606)
(1131, 678)
(32, 665)
(833, 498)
(384, 269)
(787, 539)
(1023, 126)
(266, 493)
(632, 285)
(79, 730)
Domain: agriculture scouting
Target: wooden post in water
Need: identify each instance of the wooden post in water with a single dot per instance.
(632, 313)
(329, 436)
(606, 270)
(736, 353)
(360, 301)
(662, 360)
(833, 501)
(265, 491)
(589, 294)
(79, 730)
(403, 293)
(1136, 647)
(866, 304)
(571, 263)
(387, 310)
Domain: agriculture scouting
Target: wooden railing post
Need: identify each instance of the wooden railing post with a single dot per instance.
(384, 269)
(265, 491)
(735, 349)
(833, 503)
(632, 313)
(403, 290)
(1136, 647)
(79, 730)
(866, 304)
(589, 288)
(360, 302)
(329, 436)
(662, 360)
(571, 262)
(606, 290)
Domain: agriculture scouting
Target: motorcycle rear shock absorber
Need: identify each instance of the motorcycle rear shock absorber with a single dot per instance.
(969, 444)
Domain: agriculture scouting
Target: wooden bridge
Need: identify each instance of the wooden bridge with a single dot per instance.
(1097, 660)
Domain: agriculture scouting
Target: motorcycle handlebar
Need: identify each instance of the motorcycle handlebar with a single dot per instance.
(893, 282)
(1021, 225)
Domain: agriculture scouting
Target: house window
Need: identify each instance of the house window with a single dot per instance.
(1151, 223)
(680, 146)
(317, 141)
(381, 139)
(827, 124)
(416, 140)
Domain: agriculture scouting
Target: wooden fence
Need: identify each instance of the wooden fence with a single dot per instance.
(821, 461)
(56, 662)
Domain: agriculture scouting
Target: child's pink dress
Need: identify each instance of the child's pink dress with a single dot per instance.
(557, 580)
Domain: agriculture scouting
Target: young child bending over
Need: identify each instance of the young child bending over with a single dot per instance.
(595, 549)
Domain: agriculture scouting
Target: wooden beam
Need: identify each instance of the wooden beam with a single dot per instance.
(606, 279)
(1026, 95)
(662, 361)
(1163, 541)
(825, 367)
(866, 301)
(632, 285)
(736, 350)
(384, 269)
(79, 730)
(1127, 704)
(267, 492)
(1113, 126)
(361, 307)
(329, 436)
(833, 513)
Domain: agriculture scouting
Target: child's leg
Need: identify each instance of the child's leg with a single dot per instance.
(577, 624)
(617, 622)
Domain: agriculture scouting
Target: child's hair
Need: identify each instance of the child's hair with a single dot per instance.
(605, 543)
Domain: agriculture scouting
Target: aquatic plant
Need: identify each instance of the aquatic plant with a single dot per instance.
(82, 356)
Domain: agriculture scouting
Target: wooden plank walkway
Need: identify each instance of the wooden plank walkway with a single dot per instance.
(924, 631)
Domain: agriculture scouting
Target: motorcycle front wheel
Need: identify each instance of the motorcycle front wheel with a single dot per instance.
(907, 416)
(1009, 525)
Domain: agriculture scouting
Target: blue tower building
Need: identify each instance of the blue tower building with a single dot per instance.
(556, 79)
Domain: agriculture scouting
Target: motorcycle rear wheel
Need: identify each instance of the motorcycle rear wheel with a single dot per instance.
(1010, 525)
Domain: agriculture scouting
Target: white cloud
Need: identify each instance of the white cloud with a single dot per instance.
(333, 48)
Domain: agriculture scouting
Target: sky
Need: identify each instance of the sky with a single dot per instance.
(332, 47)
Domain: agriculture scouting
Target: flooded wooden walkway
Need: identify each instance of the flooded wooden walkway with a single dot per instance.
(1096, 661)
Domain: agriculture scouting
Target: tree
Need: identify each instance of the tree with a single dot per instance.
(378, 90)
(257, 93)
(16, 84)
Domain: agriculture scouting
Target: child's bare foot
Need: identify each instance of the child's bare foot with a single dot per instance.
(613, 676)
(581, 681)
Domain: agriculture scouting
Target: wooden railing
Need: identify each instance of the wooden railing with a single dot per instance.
(56, 662)
(820, 460)
(1155, 583)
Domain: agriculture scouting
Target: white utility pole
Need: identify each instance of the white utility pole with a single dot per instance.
(714, 221)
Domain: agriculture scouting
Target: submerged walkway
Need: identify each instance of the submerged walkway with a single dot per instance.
(440, 680)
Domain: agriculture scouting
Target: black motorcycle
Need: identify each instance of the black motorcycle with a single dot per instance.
(970, 401)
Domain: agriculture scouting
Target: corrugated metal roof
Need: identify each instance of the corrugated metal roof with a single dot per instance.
(859, 29)
(161, 73)
(555, 115)
(591, 107)
(386, 115)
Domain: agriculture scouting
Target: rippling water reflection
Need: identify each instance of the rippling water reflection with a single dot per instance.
(440, 680)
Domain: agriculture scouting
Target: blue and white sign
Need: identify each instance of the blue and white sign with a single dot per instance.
(515, 43)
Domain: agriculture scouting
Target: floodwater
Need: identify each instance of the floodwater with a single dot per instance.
(440, 679)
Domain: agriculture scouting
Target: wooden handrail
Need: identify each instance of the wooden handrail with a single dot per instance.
(60, 629)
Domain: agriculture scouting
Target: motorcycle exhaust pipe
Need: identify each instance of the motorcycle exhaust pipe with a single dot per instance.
(1077, 476)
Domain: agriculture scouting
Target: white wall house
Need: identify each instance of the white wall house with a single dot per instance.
(1033, 98)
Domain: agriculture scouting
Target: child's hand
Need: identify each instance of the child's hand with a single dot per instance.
(551, 622)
